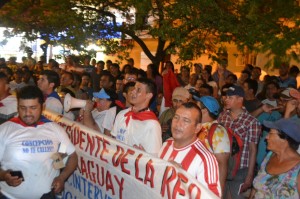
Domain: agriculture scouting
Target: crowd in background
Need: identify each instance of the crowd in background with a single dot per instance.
(246, 105)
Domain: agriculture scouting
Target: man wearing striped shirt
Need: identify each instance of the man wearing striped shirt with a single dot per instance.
(186, 151)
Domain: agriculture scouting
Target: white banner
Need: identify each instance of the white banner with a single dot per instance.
(110, 169)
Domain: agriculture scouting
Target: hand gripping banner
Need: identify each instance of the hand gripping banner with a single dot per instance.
(108, 169)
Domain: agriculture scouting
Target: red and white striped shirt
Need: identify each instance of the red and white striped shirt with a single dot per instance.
(196, 160)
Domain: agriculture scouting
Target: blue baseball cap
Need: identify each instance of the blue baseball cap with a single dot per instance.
(210, 103)
(235, 90)
(290, 127)
(101, 94)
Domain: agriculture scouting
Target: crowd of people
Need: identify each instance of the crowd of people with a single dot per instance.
(190, 118)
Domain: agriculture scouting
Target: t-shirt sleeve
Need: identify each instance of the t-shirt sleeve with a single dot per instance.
(109, 119)
(152, 141)
(64, 140)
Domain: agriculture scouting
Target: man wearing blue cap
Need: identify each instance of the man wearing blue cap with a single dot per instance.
(237, 118)
(95, 113)
(213, 135)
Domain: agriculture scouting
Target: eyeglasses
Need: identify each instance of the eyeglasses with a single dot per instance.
(130, 79)
(177, 101)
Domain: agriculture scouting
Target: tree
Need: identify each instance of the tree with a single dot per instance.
(3, 2)
(187, 28)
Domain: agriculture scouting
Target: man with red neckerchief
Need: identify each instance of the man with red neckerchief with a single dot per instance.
(137, 126)
(29, 145)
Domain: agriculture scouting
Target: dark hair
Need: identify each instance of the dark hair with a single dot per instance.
(171, 63)
(262, 95)
(55, 64)
(116, 65)
(132, 71)
(249, 67)
(233, 76)
(108, 62)
(191, 105)
(208, 87)
(131, 60)
(127, 86)
(258, 68)
(185, 67)
(141, 73)
(4, 77)
(126, 66)
(110, 77)
(151, 87)
(154, 70)
(52, 77)
(86, 74)
(120, 78)
(292, 143)
(30, 92)
(112, 94)
(208, 68)
(274, 83)
(294, 69)
(8, 71)
(247, 72)
(66, 90)
(113, 97)
(69, 74)
(252, 84)
(101, 62)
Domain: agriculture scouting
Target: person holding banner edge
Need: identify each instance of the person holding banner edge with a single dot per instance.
(29, 144)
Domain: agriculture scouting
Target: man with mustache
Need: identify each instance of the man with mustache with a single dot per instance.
(30, 146)
(185, 150)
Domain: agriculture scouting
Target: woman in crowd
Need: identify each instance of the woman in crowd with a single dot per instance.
(184, 76)
(153, 74)
(279, 173)
(206, 75)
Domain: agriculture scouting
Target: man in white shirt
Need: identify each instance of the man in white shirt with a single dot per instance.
(28, 144)
(48, 82)
(100, 114)
(137, 126)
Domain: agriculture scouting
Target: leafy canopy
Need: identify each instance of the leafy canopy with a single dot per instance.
(186, 28)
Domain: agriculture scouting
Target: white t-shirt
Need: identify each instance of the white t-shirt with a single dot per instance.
(196, 160)
(54, 104)
(99, 117)
(9, 105)
(14, 86)
(109, 118)
(146, 133)
(29, 149)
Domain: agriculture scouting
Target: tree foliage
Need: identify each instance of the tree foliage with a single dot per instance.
(187, 28)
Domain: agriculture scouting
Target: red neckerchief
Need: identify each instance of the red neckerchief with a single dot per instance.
(17, 120)
(141, 115)
(1, 104)
(120, 104)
